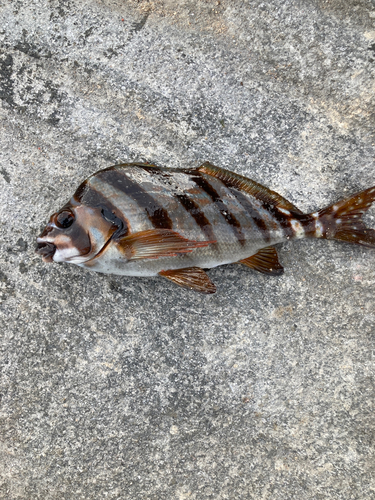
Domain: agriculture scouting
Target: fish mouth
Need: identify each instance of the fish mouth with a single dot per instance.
(46, 250)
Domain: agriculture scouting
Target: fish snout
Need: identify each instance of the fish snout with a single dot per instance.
(46, 250)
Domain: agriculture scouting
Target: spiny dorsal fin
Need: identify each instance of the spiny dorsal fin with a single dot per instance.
(265, 261)
(155, 243)
(191, 277)
(248, 186)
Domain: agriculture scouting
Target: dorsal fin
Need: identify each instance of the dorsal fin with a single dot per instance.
(248, 186)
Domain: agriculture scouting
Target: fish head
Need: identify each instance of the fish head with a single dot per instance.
(76, 233)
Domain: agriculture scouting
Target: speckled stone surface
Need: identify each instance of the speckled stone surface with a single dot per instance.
(130, 388)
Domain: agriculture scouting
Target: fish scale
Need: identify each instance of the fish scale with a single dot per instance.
(144, 220)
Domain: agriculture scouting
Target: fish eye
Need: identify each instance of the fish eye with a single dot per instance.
(64, 219)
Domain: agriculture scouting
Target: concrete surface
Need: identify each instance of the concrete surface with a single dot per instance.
(116, 388)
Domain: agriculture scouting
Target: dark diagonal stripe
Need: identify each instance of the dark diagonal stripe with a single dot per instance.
(156, 213)
(90, 197)
(249, 208)
(189, 205)
(284, 220)
(254, 214)
(193, 209)
(223, 209)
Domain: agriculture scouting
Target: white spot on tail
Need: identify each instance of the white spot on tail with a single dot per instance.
(283, 211)
(318, 229)
(297, 228)
(315, 215)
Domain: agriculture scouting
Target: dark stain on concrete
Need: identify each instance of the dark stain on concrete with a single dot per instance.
(142, 22)
(6, 81)
(5, 174)
(136, 27)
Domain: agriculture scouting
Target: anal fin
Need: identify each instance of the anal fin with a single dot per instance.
(191, 277)
(265, 261)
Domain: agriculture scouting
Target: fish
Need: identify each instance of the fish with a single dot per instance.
(139, 219)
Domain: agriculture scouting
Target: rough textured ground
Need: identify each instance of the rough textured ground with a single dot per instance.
(116, 388)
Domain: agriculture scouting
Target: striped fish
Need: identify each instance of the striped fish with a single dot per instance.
(138, 219)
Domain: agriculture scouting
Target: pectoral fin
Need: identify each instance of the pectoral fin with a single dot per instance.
(265, 261)
(155, 243)
(191, 277)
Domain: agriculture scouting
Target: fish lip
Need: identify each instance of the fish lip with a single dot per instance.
(46, 250)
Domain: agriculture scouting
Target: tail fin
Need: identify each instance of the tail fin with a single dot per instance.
(343, 220)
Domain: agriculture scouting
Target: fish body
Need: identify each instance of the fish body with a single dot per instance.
(143, 220)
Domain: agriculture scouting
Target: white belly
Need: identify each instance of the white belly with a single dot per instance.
(113, 262)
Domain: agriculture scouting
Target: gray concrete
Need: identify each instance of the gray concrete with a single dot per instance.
(116, 388)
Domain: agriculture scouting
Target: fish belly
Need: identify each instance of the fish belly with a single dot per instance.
(113, 262)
